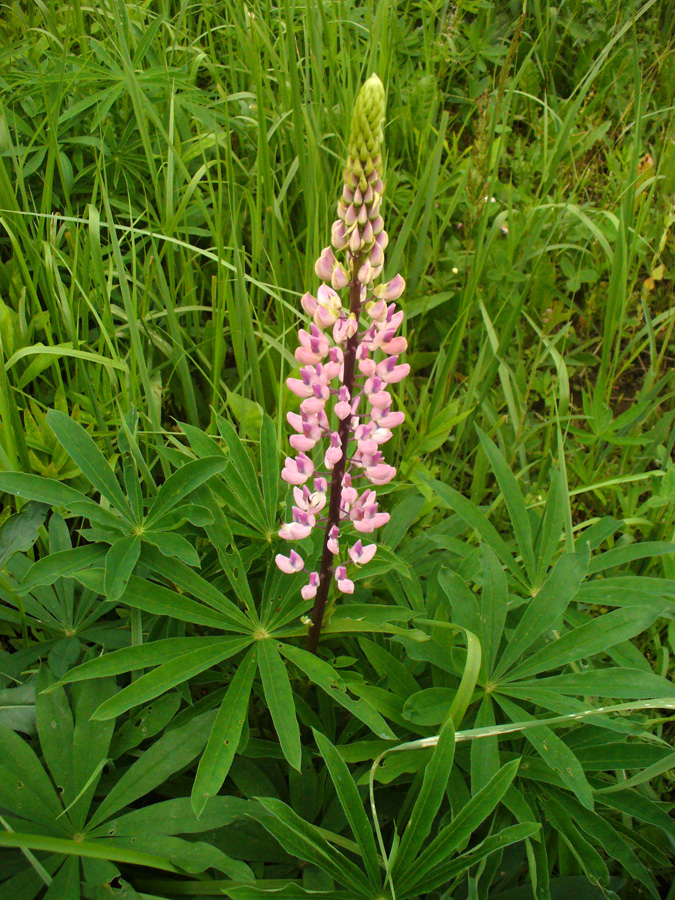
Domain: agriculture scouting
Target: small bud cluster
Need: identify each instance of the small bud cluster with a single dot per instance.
(349, 357)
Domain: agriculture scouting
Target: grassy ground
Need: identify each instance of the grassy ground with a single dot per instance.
(168, 175)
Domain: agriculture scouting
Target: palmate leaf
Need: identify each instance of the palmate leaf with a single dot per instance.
(183, 482)
(224, 738)
(594, 637)
(554, 751)
(454, 837)
(514, 501)
(428, 802)
(279, 697)
(89, 459)
(352, 805)
(550, 602)
(176, 671)
(307, 842)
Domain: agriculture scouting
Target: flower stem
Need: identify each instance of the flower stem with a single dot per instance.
(335, 502)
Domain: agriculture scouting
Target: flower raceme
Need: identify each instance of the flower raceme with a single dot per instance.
(349, 358)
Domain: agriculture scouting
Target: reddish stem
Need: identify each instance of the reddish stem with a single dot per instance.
(334, 504)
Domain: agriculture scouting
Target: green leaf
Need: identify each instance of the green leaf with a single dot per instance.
(619, 556)
(171, 753)
(173, 545)
(119, 564)
(160, 601)
(595, 636)
(182, 482)
(514, 502)
(587, 856)
(92, 463)
(279, 697)
(328, 679)
(551, 524)
(247, 478)
(17, 707)
(352, 804)
(308, 843)
(187, 579)
(131, 659)
(429, 706)
(169, 675)
(222, 539)
(476, 520)
(546, 607)
(625, 684)
(442, 875)
(428, 802)
(86, 849)
(55, 729)
(43, 490)
(23, 780)
(224, 738)
(62, 564)
(20, 531)
(602, 832)
(554, 751)
(456, 835)
(494, 603)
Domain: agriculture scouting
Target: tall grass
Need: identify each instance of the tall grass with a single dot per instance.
(167, 176)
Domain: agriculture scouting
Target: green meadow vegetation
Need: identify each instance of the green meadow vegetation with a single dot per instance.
(490, 715)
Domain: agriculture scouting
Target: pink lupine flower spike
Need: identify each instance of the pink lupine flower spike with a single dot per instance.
(350, 358)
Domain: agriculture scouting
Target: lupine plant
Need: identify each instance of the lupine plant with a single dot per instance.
(349, 357)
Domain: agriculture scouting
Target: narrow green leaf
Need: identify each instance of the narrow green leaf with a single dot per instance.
(624, 684)
(160, 601)
(171, 753)
(457, 833)
(130, 659)
(87, 849)
(169, 675)
(43, 490)
(279, 697)
(494, 602)
(119, 564)
(554, 751)
(448, 870)
(246, 471)
(185, 578)
(595, 636)
(224, 738)
(182, 482)
(514, 502)
(62, 564)
(475, 519)
(328, 679)
(306, 842)
(93, 464)
(269, 468)
(352, 804)
(429, 801)
(545, 608)
(173, 546)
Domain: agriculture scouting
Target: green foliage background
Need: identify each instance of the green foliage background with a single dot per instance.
(168, 175)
